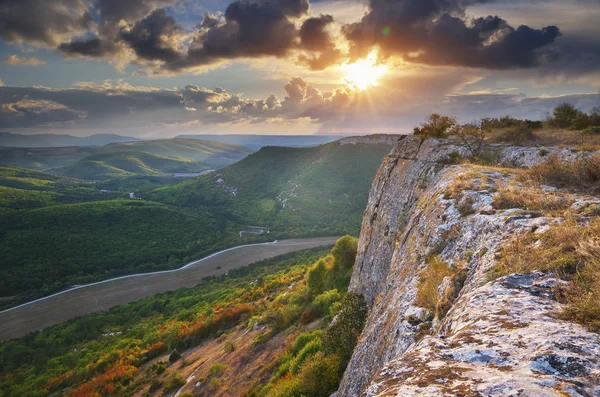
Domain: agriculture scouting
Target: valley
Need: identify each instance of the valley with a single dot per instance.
(82, 300)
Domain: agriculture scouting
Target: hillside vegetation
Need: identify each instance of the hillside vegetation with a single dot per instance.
(49, 248)
(82, 234)
(218, 329)
(22, 189)
(122, 164)
(293, 191)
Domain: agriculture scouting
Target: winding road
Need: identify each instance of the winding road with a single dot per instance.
(85, 299)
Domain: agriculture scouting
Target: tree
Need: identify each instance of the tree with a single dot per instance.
(436, 126)
(344, 252)
(564, 115)
(473, 136)
(174, 356)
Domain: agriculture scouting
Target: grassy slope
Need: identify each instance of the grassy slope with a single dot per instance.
(123, 164)
(291, 190)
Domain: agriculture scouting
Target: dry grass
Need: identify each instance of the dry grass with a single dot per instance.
(430, 279)
(471, 180)
(570, 250)
(582, 175)
(531, 198)
(578, 140)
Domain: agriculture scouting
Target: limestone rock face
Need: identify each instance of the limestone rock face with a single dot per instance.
(498, 338)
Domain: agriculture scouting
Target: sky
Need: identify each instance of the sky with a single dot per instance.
(160, 68)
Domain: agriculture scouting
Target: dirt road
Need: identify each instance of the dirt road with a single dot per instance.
(90, 298)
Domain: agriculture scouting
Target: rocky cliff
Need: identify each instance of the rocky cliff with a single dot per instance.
(495, 337)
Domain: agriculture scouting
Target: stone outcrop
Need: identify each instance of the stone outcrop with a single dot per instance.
(499, 338)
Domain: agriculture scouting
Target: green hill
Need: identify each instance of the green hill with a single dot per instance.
(104, 166)
(293, 191)
(52, 247)
(22, 189)
(212, 154)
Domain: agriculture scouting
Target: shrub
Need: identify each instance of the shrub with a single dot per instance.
(214, 383)
(593, 130)
(436, 126)
(319, 376)
(582, 122)
(216, 369)
(229, 347)
(176, 381)
(516, 135)
(473, 137)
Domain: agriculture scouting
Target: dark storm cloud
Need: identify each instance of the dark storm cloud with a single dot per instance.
(315, 38)
(250, 29)
(93, 47)
(155, 37)
(111, 39)
(436, 32)
(43, 22)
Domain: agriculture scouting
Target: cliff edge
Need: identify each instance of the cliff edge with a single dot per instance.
(448, 315)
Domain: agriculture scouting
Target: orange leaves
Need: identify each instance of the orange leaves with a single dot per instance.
(104, 383)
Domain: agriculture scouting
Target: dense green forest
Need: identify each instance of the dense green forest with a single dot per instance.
(103, 354)
(57, 231)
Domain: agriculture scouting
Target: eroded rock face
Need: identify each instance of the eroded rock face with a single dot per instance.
(499, 338)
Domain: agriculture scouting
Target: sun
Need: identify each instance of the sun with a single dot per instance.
(364, 73)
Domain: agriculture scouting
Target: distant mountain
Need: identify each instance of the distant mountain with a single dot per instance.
(129, 163)
(9, 139)
(213, 154)
(259, 141)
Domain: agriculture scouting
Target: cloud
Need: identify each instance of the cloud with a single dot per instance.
(37, 112)
(248, 30)
(119, 107)
(16, 60)
(155, 38)
(315, 38)
(42, 22)
(437, 32)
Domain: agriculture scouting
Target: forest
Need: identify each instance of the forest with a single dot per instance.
(59, 231)
(141, 346)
